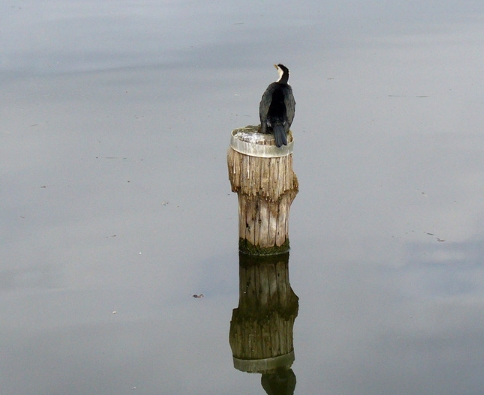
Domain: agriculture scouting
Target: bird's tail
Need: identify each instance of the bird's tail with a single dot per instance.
(280, 135)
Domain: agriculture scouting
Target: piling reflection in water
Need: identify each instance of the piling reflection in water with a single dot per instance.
(261, 330)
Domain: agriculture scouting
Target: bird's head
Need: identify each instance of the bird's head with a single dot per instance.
(283, 72)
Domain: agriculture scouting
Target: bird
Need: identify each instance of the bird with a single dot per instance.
(277, 107)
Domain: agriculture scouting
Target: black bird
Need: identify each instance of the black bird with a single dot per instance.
(277, 107)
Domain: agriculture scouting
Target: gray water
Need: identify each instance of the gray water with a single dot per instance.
(116, 208)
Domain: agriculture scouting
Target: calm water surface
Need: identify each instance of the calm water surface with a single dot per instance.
(116, 208)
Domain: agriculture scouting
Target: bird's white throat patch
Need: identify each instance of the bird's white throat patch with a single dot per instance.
(280, 72)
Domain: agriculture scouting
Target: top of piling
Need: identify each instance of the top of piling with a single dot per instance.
(250, 141)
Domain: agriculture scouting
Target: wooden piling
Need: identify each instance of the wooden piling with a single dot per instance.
(262, 176)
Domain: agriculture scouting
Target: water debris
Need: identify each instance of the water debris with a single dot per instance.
(199, 296)
(437, 238)
(405, 96)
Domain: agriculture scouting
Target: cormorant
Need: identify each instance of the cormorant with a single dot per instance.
(277, 107)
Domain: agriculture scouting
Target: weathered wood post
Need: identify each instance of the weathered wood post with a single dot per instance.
(261, 173)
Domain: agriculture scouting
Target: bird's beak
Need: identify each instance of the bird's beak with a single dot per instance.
(275, 66)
